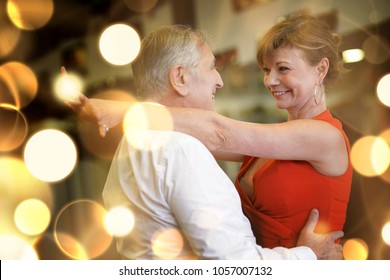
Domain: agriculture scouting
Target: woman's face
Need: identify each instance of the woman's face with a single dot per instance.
(290, 79)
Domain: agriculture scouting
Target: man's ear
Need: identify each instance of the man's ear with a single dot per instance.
(177, 79)
(322, 70)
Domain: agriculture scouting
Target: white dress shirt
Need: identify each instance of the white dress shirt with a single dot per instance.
(172, 182)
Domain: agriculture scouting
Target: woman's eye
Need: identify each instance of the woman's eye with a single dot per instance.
(283, 69)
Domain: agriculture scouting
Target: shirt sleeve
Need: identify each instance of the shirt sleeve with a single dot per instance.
(207, 207)
(281, 253)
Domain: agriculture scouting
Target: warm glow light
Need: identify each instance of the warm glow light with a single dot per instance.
(146, 116)
(386, 233)
(9, 37)
(79, 230)
(383, 90)
(370, 156)
(119, 221)
(353, 55)
(13, 128)
(31, 14)
(167, 244)
(103, 147)
(20, 83)
(386, 136)
(376, 49)
(355, 249)
(32, 216)
(68, 86)
(50, 155)
(119, 44)
(70, 246)
(15, 248)
(16, 185)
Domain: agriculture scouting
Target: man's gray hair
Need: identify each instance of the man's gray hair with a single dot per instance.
(162, 49)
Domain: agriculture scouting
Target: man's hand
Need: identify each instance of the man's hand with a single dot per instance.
(323, 245)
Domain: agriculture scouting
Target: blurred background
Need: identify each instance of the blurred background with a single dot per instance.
(53, 165)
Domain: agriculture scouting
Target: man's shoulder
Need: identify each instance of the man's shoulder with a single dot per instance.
(159, 139)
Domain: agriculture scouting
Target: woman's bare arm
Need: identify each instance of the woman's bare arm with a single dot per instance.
(314, 141)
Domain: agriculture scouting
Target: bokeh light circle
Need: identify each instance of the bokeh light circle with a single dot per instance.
(119, 44)
(9, 36)
(13, 128)
(370, 156)
(353, 55)
(20, 83)
(50, 155)
(32, 216)
(383, 90)
(144, 116)
(16, 185)
(103, 147)
(15, 248)
(79, 230)
(167, 244)
(119, 221)
(31, 14)
(385, 135)
(386, 233)
(376, 49)
(68, 87)
(355, 249)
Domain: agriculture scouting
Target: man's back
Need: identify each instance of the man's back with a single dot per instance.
(172, 183)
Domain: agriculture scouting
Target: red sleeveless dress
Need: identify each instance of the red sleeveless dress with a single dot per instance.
(286, 190)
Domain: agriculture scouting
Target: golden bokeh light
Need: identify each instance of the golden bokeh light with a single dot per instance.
(383, 90)
(9, 36)
(119, 221)
(141, 117)
(353, 55)
(355, 249)
(16, 185)
(167, 244)
(376, 49)
(370, 156)
(50, 155)
(32, 216)
(386, 233)
(385, 176)
(30, 15)
(140, 6)
(119, 44)
(68, 86)
(13, 129)
(15, 248)
(89, 133)
(70, 246)
(20, 83)
(79, 230)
